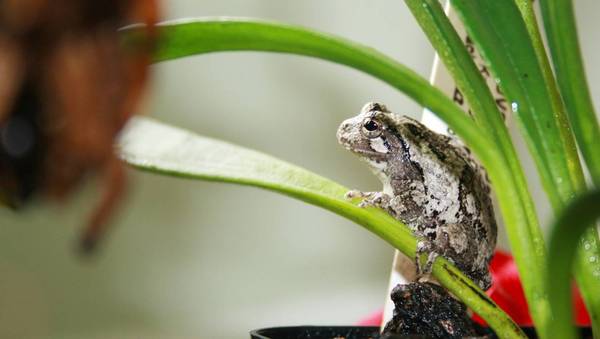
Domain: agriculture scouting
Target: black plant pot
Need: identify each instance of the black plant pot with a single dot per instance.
(353, 332)
(316, 332)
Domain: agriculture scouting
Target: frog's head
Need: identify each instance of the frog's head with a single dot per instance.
(372, 134)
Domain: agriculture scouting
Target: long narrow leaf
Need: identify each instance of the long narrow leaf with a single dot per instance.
(151, 146)
(526, 78)
(452, 51)
(502, 36)
(458, 61)
(575, 221)
(572, 160)
(561, 32)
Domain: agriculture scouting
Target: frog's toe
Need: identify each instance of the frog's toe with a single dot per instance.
(375, 199)
(355, 194)
(486, 281)
(424, 247)
(430, 260)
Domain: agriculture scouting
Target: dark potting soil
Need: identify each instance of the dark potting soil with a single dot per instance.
(428, 310)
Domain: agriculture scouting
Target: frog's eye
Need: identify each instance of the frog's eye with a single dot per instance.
(371, 128)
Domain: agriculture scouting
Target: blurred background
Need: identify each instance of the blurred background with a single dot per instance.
(187, 259)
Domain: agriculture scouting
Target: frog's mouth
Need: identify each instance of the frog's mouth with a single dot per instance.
(371, 154)
(368, 155)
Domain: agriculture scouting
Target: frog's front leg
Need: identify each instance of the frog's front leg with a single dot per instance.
(376, 199)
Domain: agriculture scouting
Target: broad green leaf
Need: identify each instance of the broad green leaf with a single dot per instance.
(575, 221)
(155, 147)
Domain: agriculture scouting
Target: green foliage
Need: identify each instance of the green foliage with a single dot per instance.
(524, 75)
(450, 48)
(496, 26)
(526, 78)
(559, 21)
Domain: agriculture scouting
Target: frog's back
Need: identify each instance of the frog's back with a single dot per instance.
(458, 215)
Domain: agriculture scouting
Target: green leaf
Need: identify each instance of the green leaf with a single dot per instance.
(577, 182)
(503, 38)
(561, 32)
(526, 79)
(184, 38)
(449, 46)
(152, 146)
(453, 53)
(575, 221)
(456, 58)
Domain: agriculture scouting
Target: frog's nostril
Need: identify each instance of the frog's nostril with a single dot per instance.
(341, 132)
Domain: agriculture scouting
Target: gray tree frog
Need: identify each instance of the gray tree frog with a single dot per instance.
(431, 183)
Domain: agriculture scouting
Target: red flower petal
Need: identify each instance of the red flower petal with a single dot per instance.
(373, 319)
(507, 292)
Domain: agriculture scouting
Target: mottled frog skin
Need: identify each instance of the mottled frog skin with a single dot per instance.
(430, 183)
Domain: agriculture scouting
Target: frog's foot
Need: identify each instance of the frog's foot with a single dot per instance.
(424, 247)
(376, 199)
(485, 282)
